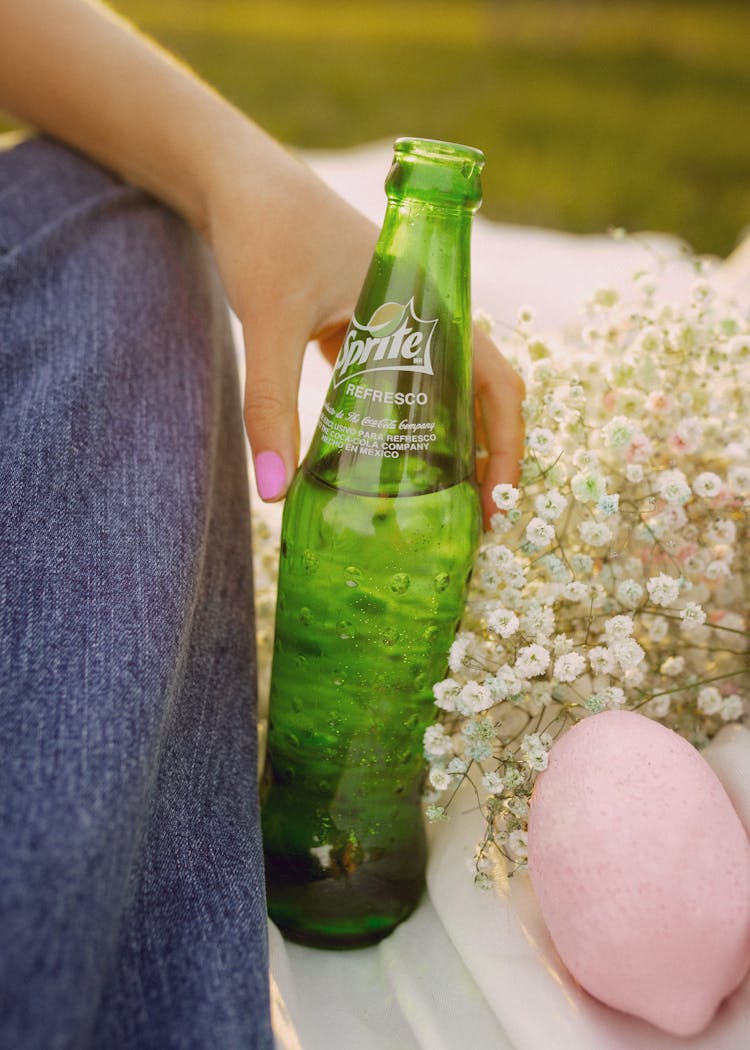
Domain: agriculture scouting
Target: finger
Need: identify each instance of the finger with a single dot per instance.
(274, 364)
(331, 337)
(499, 391)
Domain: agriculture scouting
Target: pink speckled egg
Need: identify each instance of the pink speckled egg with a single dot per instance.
(641, 868)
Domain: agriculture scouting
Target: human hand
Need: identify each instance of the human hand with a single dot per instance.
(293, 274)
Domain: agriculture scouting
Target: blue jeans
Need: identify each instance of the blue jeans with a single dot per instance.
(132, 910)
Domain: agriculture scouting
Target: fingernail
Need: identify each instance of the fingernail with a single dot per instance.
(270, 474)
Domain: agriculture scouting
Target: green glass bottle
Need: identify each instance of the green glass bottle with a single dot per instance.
(378, 536)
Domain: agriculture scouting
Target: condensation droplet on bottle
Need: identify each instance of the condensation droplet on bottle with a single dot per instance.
(310, 561)
(352, 576)
(305, 616)
(344, 628)
(399, 582)
(430, 633)
(389, 636)
(441, 581)
(297, 705)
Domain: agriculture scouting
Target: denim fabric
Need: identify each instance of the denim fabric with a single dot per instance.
(132, 910)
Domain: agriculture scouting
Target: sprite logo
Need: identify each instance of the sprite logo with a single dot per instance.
(394, 339)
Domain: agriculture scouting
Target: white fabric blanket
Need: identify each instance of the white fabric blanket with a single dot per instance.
(471, 967)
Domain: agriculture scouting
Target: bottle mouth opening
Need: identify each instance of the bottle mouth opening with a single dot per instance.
(434, 149)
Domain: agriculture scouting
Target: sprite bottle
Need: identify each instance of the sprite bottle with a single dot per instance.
(378, 536)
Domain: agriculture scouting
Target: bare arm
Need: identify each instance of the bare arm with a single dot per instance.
(292, 253)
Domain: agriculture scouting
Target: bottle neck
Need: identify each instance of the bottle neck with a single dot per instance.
(433, 238)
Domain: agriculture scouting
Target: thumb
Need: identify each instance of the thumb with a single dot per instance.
(273, 366)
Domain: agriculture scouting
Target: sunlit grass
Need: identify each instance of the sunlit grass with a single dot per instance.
(628, 112)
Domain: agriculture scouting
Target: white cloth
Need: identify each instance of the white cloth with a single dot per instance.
(471, 967)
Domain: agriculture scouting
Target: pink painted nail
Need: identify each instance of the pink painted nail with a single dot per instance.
(270, 474)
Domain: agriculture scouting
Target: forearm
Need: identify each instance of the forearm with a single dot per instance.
(74, 69)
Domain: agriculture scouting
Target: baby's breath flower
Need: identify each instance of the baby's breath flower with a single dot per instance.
(576, 591)
(503, 622)
(659, 706)
(550, 504)
(687, 435)
(602, 661)
(658, 630)
(585, 459)
(533, 751)
(609, 503)
(673, 666)
(595, 703)
(537, 350)
(707, 485)
(717, 569)
(651, 339)
(634, 496)
(692, 616)
(519, 807)
(672, 486)
(446, 694)
(606, 297)
(514, 778)
(722, 531)
(732, 708)
(588, 486)
(532, 660)
(518, 844)
(459, 651)
(619, 627)
(569, 667)
(504, 684)
(474, 697)
(505, 496)
(662, 589)
(540, 532)
(436, 814)
(739, 480)
(479, 736)
(619, 432)
(630, 593)
(595, 533)
(556, 568)
(541, 440)
(538, 621)
(626, 652)
(659, 402)
(613, 696)
(436, 742)
(500, 523)
(440, 779)
(709, 700)
(492, 783)
(582, 563)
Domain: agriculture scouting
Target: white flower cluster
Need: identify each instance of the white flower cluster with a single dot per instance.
(616, 573)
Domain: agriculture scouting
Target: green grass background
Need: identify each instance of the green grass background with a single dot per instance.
(618, 112)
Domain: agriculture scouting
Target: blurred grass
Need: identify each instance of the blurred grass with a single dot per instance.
(590, 113)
